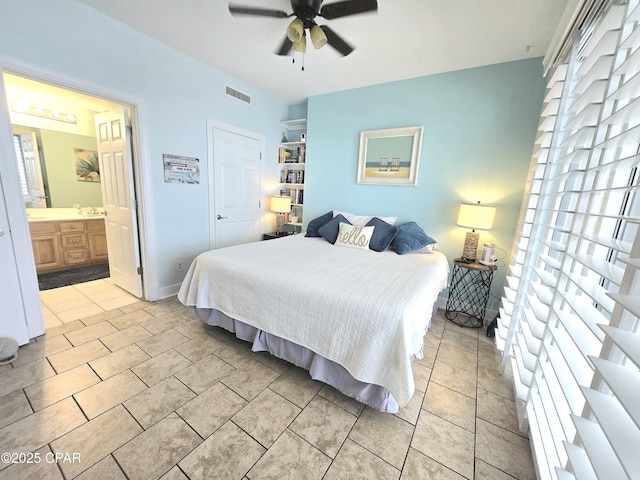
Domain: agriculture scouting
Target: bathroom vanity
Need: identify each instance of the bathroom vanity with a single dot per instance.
(67, 240)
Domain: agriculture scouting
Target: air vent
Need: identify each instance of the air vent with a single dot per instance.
(243, 97)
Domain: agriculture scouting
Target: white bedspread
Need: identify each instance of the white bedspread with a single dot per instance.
(365, 310)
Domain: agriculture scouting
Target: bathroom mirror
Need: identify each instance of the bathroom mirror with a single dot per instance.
(57, 169)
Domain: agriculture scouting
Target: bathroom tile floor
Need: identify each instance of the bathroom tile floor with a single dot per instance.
(120, 388)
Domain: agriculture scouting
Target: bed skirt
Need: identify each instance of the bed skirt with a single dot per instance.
(319, 368)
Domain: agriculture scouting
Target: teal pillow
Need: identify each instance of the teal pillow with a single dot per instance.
(316, 223)
(383, 234)
(329, 231)
(410, 238)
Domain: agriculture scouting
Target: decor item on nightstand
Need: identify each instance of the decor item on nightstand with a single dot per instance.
(476, 216)
(282, 207)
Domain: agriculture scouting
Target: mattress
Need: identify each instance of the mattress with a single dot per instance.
(363, 310)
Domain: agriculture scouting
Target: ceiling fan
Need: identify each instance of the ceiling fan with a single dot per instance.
(305, 12)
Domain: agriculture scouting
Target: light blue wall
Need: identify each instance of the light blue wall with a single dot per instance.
(479, 129)
(178, 94)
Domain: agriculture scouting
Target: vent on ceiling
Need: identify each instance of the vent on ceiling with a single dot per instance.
(243, 97)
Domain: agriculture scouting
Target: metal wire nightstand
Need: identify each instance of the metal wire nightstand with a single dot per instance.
(469, 293)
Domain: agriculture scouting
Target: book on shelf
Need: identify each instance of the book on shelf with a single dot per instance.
(291, 176)
(283, 155)
(292, 155)
(296, 194)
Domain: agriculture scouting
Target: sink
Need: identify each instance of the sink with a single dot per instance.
(93, 214)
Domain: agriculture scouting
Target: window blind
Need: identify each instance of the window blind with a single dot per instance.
(21, 170)
(568, 330)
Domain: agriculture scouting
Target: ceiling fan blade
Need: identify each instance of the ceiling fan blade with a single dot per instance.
(348, 7)
(261, 12)
(336, 41)
(285, 47)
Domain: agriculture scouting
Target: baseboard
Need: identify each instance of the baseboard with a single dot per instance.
(170, 291)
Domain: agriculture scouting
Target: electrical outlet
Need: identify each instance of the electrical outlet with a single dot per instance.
(179, 265)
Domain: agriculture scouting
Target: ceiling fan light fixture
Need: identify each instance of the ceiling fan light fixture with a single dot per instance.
(300, 45)
(295, 30)
(318, 37)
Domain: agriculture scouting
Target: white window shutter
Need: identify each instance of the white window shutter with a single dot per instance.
(570, 314)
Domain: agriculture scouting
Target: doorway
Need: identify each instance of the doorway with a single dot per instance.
(62, 123)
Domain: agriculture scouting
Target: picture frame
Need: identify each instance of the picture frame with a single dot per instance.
(87, 166)
(390, 156)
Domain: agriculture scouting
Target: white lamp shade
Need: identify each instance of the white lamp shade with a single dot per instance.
(280, 204)
(295, 30)
(318, 37)
(477, 216)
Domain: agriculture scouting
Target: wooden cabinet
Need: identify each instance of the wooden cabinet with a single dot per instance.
(58, 245)
(97, 241)
(46, 245)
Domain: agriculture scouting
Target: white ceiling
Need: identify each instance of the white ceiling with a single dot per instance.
(404, 39)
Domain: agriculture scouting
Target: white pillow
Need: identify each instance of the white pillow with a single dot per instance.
(362, 220)
(353, 236)
(427, 248)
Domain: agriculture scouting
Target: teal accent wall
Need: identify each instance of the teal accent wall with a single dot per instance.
(479, 130)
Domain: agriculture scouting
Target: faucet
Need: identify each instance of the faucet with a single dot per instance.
(92, 210)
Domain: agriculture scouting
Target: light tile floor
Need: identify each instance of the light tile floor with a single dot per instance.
(119, 388)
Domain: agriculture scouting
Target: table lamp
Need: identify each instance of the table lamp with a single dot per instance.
(282, 207)
(476, 216)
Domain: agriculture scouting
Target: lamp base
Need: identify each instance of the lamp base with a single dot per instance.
(279, 223)
(470, 249)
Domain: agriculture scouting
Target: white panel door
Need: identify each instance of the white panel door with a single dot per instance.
(13, 322)
(20, 310)
(237, 188)
(116, 174)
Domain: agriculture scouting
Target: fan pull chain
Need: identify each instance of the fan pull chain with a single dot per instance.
(293, 59)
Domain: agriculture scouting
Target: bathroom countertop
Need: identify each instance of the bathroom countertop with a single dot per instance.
(61, 214)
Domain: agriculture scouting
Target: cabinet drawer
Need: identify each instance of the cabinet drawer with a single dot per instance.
(73, 240)
(41, 228)
(72, 257)
(72, 226)
(95, 225)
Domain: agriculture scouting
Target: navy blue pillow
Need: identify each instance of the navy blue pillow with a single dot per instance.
(316, 223)
(329, 231)
(383, 233)
(410, 237)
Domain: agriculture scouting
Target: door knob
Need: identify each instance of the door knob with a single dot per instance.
(220, 217)
(1, 232)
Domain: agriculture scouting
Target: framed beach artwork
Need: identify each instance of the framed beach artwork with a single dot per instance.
(390, 156)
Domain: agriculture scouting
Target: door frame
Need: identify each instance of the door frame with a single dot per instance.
(211, 162)
(140, 154)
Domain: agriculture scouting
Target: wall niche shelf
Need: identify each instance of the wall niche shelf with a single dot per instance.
(291, 157)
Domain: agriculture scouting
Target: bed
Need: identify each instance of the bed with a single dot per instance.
(354, 318)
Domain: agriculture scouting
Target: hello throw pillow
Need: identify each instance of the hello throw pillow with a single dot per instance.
(353, 236)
